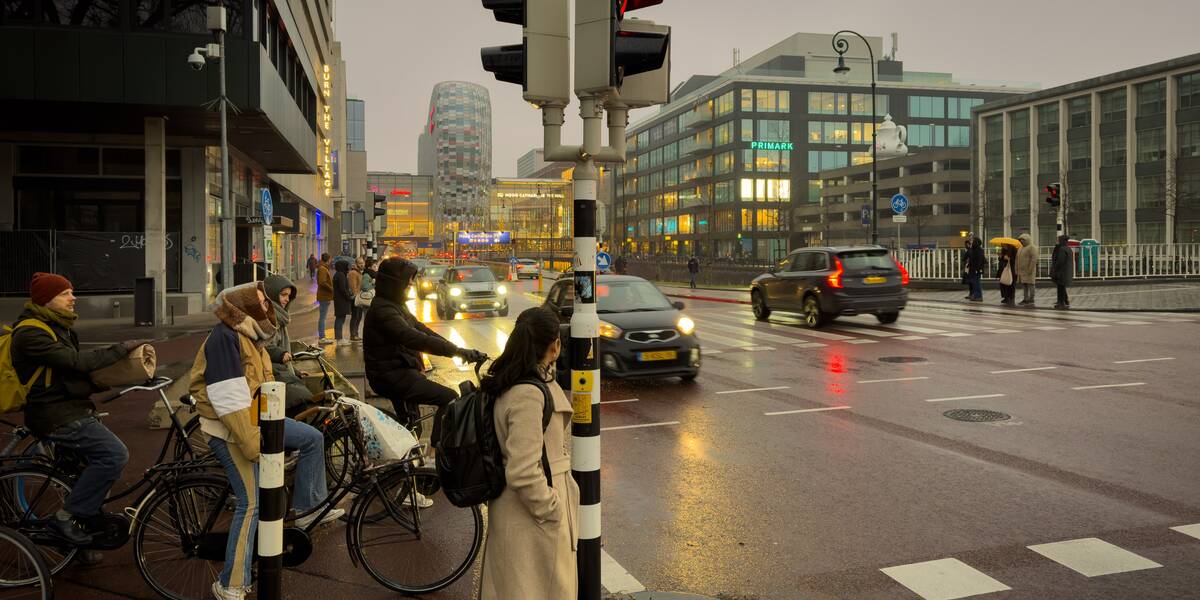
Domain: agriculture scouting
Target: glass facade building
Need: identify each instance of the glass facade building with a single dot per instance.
(411, 222)
(356, 125)
(730, 168)
(538, 212)
(1125, 147)
(457, 139)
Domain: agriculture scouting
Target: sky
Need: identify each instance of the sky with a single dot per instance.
(397, 50)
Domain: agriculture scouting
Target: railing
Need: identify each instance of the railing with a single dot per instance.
(1142, 261)
(697, 116)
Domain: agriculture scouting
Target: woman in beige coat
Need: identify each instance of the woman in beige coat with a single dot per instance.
(532, 526)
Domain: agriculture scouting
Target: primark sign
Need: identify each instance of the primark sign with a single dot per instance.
(771, 146)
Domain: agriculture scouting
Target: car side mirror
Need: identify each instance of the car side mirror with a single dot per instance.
(678, 305)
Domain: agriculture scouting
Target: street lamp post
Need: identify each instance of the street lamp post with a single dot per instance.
(840, 45)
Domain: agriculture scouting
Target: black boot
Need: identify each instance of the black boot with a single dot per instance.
(69, 531)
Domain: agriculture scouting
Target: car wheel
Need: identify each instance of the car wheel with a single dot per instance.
(503, 312)
(813, 317)
(888, 317)
(762, 312)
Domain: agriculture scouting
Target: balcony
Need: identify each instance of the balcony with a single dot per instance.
(696, 117)
(695, 144)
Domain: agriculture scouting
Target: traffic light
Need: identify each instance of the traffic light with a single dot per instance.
(607, 50)
(1052, 195)
(380, 202)
(539, 63)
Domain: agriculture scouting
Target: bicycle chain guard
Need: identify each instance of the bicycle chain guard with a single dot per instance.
(110, 533)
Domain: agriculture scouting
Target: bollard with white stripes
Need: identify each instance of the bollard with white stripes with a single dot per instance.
(272, 496)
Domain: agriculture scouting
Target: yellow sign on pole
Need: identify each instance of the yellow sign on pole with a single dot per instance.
(581, 381)
(582, 405)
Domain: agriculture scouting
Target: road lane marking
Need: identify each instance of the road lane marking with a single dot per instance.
(1109, 385)
(639, 426)
(944, 579)
(618, 401)
(757, 348)
(805, 410)
(1192, 530)
(1023, 370)
(615, 578)
(808, 345)
(957, 334)
(889, 380)
(765, 389)
(756, 335)
(865, 330)
(1093, 557)
(711, 352)
(1004, 331)
(778, 326)
(911, 337)
(862, 341)
(1142, 360)
(980, 396)
(1049, 328)
(1093, 325)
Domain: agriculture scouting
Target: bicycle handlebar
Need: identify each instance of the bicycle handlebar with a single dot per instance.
(154, 384)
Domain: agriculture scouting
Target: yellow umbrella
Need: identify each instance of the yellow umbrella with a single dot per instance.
(1005, 241)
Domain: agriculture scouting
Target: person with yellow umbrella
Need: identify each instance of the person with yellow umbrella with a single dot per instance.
(1005, 271)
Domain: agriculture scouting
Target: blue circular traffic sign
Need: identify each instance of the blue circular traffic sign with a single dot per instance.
(268, 208)
(603, 261)
(899, 204)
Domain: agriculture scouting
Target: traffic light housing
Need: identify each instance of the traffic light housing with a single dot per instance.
(380, 202)
(1053, 197)
(539, 63)
(652, 87)
(607, 50)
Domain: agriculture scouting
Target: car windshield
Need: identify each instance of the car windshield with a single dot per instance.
(478, 274)
(866, 259)
(433, 271)
(630, 296)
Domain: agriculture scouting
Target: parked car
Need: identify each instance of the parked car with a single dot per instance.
(527, 267)
(470, 289)
(824, 283)
(427, 279)
(642, 334)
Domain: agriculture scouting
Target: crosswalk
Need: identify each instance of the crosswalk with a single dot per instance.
(950, 578)
(730, 329)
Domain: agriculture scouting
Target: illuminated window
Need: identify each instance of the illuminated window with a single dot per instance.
(747, 190)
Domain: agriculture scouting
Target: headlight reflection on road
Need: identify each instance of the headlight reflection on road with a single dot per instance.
(501, 340)
(457, 339)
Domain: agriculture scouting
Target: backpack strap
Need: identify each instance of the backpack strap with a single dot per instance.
(547, 413)
(38, 324)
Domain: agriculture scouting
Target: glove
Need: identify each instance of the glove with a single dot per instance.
(471, 356)
(131, 345)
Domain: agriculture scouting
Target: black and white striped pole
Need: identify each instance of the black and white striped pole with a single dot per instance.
(272, 496)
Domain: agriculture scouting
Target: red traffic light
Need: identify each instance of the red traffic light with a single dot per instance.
(627, 5)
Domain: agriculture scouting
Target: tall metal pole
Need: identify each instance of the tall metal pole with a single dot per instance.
(227, 218)
(840, 45)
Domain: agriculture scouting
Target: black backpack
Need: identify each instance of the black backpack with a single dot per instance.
(470, 463)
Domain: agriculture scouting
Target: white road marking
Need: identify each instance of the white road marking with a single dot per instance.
(865, 330)
(911, 337)
(1023, 370)
(1192, 530)
(1092, 557)
(765, 389)
(945, 579)
(615, 578)
(757, 348)
(711, 352)
(809, 345)
(1049, 328)
(1135, 323)
(862, 341)
(1093, 325)
(618, 401)
(980, 396)
(1004, 331)
(779, 326)
(1109, 385)
(639, 426)
(889, 380)
(957, 334)
(913, 328)
(1142, 360)
(805, 410)
(720, 340)
(754, 333)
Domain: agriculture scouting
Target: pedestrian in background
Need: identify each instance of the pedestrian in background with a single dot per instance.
(324, 297)
(976, 264)
(343, 300)
(1062, 270)
(693, 269)
(356, 312)
(963, 258)
(312, 267)
(622, 265)
(534, 523)
(1007, 275)
(1027, 259)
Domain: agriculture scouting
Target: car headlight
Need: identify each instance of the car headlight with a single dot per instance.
(455, 292)
(610, 331)
(685, 325)
(501, 290)
(425, 284)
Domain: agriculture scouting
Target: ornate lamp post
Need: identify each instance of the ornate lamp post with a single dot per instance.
(840, 45)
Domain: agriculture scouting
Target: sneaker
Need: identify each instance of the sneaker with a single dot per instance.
(325, 341)
(423, 501)
(333, 515)
(69, 530)
(221, 592)
(343, 342)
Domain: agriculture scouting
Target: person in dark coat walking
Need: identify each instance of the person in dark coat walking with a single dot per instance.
(343, 300)
(393, 340)
(1062, 270)
(693, 269)
(312, 267)
(1007, 275)
(622, 265)
(976, 263)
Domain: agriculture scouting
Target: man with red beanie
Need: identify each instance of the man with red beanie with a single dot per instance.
(58, 407)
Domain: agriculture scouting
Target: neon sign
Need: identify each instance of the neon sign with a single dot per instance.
(772, 146)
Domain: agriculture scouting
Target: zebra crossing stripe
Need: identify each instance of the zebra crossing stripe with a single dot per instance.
(1192, 530)
(1093, 557)
(944, 579)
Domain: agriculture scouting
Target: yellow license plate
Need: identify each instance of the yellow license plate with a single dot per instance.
(876, 280)
(660, 355)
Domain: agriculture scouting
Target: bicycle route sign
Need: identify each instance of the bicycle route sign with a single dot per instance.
(899, 204)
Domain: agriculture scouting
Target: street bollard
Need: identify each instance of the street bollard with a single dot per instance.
(272, 496)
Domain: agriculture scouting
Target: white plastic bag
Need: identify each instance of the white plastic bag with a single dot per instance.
(1006, 278)
(385, 439)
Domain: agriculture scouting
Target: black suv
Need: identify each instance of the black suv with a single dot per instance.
(824, 283)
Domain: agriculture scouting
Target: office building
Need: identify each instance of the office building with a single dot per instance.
(456, 148)
(538, 212)
(531, 162)
(411, 223)
(729, 168)
(356, 125)
(1125, 147)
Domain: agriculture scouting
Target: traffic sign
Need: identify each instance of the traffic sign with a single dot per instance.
(268, 208)
(899, 218)
(268, 245)
(512, 260)
(866, 215)
(899, 204)
(603, 262)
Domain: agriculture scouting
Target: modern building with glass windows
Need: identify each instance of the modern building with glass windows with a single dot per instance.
(538, 212)
(456, 148)
(1125, 147)
(411, 223)
(729, 168)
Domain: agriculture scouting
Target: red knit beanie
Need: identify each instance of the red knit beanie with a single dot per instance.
(45, 286)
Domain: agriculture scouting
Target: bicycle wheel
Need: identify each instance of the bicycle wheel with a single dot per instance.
(30, 495)
(180, 534)
(196, 440)
(413, 550)
(23, 566)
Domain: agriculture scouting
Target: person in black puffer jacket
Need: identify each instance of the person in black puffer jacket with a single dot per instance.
(343, 299)
(393, 340)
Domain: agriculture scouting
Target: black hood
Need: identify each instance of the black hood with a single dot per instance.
(342, 266)
(274, 285)
(395, 275)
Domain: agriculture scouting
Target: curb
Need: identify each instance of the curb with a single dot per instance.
(1017, 310)
(708, 299)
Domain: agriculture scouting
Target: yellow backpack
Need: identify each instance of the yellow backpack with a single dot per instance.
(12, 390)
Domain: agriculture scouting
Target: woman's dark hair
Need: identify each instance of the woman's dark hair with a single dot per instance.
(534, 333)
(368, 262)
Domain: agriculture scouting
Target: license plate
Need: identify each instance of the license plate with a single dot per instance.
(660, 355)
(875, 280)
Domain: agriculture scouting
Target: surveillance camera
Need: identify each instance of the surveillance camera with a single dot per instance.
(195, 60)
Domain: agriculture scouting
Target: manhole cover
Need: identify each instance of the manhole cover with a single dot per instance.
(903, 359)
(976, 415)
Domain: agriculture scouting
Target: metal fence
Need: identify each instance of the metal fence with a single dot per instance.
(99, 261)
(1139, 261)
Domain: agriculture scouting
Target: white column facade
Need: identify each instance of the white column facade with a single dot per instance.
(155, 147)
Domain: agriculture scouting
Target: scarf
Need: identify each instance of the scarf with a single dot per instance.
(49, 315)
(238, 308)
(282, 318)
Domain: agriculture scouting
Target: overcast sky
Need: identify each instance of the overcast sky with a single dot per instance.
(396, 50)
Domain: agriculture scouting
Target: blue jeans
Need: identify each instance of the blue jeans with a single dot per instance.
(324, 313)
(105, 456)
(308, 491)
(976, 283)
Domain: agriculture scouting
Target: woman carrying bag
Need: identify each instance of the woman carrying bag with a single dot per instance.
(1006, 275)
(533, 527)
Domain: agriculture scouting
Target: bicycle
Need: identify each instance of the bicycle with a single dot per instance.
(23, 566)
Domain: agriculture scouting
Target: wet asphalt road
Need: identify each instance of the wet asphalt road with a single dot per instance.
(713, 494)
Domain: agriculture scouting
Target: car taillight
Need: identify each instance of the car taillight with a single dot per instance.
(835, 278)
(903, 272)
